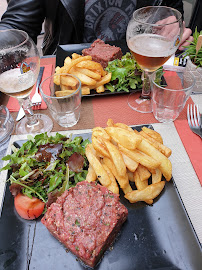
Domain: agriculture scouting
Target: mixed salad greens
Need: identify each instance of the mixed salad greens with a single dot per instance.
(44, 167)
(126, 74)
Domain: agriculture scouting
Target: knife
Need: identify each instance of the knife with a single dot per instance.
(21, 112)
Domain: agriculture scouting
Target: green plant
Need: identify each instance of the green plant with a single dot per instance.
(190, 50)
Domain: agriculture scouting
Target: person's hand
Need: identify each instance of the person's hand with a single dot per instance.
(186, 38)
(171, 29)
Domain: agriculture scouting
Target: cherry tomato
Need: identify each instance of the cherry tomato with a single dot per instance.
(28, 208)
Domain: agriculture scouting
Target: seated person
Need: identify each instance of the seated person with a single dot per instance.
(77, 21)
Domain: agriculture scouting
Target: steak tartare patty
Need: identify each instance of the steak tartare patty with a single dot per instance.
(103, 53)
(86, 220)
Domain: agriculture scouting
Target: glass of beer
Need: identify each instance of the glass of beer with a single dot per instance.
(19, 69)
(153, 35)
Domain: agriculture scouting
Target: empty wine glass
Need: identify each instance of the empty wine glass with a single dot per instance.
(153, 35)
(19, 69)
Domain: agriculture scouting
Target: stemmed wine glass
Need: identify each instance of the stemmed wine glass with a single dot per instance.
(19, 69)
(153, 35)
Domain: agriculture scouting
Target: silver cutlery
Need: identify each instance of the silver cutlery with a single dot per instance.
(36, 99)
(194, 119)
(21, 114)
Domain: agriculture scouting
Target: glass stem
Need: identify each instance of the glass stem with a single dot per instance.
(146, 86)
(27, 106)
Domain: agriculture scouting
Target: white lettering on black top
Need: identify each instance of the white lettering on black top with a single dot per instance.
(107, 19)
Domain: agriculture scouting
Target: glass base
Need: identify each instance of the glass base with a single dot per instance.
(140, 104)
(44, 124)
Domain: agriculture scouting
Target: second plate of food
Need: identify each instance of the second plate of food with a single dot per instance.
(64, 51)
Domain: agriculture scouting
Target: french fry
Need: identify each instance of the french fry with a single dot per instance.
(130, 163)
(127, 189)
(128, 139)
(110, 122)
(149, 193)
(100, 89)
(105, 79)
(68, 60)
(122, 180)
(161, 147)
(64, 93)
(89, 73)
(75, 62)
(98, 168)
(100, 146)
(68, 81)
(116, 157)
(113, 187)
(76, 55)
(165, 164)
(83, 78)
(91, 175)
(157, 176)
(152, 133)
(140, 157)
(96, 153)
(130, 176)
(57, 69)
(65, 87)
(85, 90)
(56, 78)
(124, 126)
(140, 185)
(143, 173)
(99, 131)
(91, 65)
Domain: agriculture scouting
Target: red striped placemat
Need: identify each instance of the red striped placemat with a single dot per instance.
(116, 107)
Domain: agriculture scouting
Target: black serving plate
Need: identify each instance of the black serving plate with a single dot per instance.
(153, 237)
(67, 50)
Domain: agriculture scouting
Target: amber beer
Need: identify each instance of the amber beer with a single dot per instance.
(151, 51)
(15, 84)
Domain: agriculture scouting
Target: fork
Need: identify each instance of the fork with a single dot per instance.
(194, 119)
(36, 99)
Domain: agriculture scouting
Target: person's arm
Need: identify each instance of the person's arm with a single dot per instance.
(27, 15)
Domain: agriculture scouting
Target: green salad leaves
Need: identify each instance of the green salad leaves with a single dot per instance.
(44, 167)
(126, 74)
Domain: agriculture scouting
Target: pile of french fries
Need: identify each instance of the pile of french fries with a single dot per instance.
(119, 155)
(91, 74)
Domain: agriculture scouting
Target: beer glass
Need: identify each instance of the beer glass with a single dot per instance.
(153, 35)
(19, 69)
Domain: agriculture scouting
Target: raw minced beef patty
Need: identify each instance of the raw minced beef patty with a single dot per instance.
(86, 219)
(102, 52)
